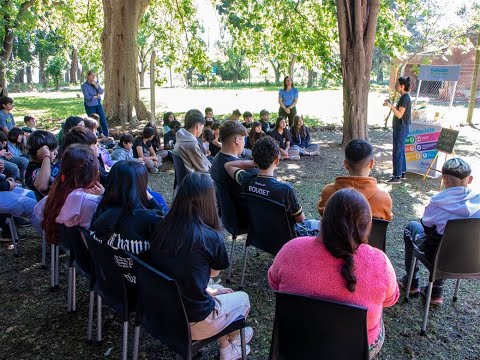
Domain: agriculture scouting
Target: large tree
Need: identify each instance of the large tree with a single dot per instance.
(357, 23)
(120, 59)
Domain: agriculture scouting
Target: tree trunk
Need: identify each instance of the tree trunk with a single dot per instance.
(66, 77)
(235, 77)
(276, 70)
(42, 76)
(310, 78)
(120, 60)
(357, 23)
(29, 74)
(380, 70)
(141, 73)
(291, 68)
(171, 81)
(20, 76)
(74, 67)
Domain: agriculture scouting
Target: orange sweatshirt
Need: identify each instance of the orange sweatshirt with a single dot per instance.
(380, 201)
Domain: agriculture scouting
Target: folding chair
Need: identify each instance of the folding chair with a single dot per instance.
(261, 234)
(378, 235)
(457, 257)
(311, 328)
(163, 314)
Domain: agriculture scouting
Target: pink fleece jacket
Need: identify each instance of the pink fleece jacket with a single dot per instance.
(304, 266)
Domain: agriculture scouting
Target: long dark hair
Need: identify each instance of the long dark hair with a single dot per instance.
(285, 82)
(346, 224)
(126, 187)
(79, 169)
(194, 207)
(253, 136)
(13, 136)
(298, 130)
(166, 116)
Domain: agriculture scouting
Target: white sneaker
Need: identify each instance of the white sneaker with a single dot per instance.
(248, 336)
(294, 157)
(314, 153)
(232, 352)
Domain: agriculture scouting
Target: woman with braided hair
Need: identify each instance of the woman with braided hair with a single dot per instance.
(339, 265)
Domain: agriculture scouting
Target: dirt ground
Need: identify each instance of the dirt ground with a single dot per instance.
(34, 323)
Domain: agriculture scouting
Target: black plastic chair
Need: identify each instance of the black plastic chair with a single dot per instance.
(308, 328)
(110, 286)
(163, 313)
(180, 170)
(262, 234)
(228, 215)
(457, 257)
(378, 235)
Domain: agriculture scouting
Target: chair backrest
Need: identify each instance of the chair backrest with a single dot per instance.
(269, 228)
(161, 307)
(71, 238)
(109, 281)
(227, 210)
(310, 328)
(458, 255)
(180, 170)
(378, 235)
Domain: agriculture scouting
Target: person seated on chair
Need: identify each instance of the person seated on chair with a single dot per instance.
(188, 246)
(41, 171)
(14, 200)
(358, 163)
(457, 201)
(75, 193)
(339, 265)
(188, 146)
(232, 135)
(266, 155)
(127, 214)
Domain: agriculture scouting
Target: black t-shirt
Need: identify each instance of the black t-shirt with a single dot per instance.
(270, 188)
(281, 138)
(406, 103)
(31, 173)
(169, 136)
(145, 147)
(248, 126)
(266, 126)
(204, 249)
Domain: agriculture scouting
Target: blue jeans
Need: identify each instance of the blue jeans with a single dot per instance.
(400, 134)
(98, 109)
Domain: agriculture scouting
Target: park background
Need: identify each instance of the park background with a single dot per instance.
(228, 55)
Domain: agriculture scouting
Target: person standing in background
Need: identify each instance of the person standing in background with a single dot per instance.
(288, 98)
(92, 94)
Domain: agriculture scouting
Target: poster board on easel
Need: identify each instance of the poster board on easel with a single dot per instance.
(446, 145)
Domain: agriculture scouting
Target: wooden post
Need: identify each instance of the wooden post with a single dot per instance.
(152, 88)
(473, 91)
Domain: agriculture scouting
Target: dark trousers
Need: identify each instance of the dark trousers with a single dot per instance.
(414, 235)
(293, 112)
(400, 134)
(98, 109)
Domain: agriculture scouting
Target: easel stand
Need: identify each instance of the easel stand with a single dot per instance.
(430, 167)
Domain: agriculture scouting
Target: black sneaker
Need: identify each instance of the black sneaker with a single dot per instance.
(394, 180)
(403, 177)
(19, 222)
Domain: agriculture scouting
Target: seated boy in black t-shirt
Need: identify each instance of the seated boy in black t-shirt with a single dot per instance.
(266, 156)
(40, 172)
(169, 138)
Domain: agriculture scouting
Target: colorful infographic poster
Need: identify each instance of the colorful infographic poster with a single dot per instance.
(420, 148)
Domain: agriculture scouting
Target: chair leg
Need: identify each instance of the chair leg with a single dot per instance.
(410, 277)
(244, 265)
(57, 265)
(125, 341)
(455, 298)
(99, 320)
(136, 342)
(231, 260)
(243, 345)
(44, 252)
(13, 232)
(53, 252)
(427, 308)
(69, 290)
(74, 289)
(90, 316)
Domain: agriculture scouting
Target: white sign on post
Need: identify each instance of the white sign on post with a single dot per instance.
(439, 73)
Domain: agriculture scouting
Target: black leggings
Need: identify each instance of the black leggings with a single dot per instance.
(293, 112)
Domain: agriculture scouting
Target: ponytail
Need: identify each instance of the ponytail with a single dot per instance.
(405, 81)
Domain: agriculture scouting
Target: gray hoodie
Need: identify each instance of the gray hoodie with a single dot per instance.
(120, 153)
(188, 148)
(458, 202)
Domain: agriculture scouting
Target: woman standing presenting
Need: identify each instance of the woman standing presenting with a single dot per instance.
(92, 93)
(288, 98)
(401, 121)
